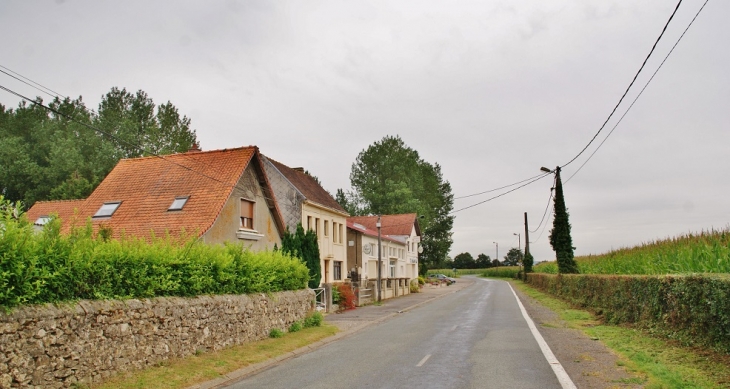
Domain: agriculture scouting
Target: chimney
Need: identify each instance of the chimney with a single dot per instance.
(195, 148)
(299, 169)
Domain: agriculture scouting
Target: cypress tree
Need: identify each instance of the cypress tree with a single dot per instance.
(304, 246)
(560, 238)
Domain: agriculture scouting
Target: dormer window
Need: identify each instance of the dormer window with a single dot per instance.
(178, 204)
(42, 220)
(108, 209)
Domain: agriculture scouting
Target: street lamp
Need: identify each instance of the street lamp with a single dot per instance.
(519, 245)
(546, 170)
(497, 250)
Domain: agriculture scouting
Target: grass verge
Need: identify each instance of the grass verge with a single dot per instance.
(664, 364)
(185, 372)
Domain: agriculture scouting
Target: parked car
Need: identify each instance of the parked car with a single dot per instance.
(441, 278)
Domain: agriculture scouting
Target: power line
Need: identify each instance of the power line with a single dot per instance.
(640, 93)
(537, 178)
(544, 213)
(496, 189)
(629, 87)
(31, 83)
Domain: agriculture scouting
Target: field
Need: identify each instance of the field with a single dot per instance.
(705, 252)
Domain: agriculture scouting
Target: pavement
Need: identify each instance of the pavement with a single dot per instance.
(349, 322)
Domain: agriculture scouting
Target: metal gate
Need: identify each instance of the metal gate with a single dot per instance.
(320, 299)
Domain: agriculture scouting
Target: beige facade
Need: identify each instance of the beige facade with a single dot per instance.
(331, 232)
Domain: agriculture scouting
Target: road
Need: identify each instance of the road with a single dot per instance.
(476, 338)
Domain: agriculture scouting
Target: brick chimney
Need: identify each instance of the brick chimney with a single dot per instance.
(195, 148)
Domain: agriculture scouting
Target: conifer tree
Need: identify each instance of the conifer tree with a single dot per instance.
(560, 238)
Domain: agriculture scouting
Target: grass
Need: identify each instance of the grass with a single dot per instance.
(184, 372)
(659, 364)
(704, 252)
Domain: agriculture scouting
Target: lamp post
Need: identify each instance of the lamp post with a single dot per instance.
(519, 245)
(497, 250)
(380, 258)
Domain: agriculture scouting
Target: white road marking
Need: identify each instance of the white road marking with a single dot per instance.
(563, 377)
(423, 360)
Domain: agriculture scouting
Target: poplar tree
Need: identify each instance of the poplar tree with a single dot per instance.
(560, 238)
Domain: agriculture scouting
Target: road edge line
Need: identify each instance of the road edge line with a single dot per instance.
(558, 369)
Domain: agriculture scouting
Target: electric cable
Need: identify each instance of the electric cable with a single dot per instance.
(496, 189)
(640, 93)
(537, 178)
(546, 209)
(629, 87)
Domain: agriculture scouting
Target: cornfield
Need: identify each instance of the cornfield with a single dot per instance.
(706, 252)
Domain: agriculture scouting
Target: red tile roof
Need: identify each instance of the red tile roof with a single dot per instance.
(147, 187)
(401, 224)
(308, 186)
(64, 209)
(371, 232)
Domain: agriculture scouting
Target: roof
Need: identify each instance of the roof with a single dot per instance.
(64, 209)
(308, 186)
(401, 224)
(371, 232)
(147, 186)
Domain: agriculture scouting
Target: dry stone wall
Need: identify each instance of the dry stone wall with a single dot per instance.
(86, 342)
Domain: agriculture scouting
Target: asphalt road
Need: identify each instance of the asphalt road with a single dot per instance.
(476, 338)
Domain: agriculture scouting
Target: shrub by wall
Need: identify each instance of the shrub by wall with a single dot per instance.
(47, 267)
(694, 309)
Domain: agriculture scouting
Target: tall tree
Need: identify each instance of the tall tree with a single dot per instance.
(560, 238)
(483, 261)
(57, 154)
(391, 178)
(303, 245)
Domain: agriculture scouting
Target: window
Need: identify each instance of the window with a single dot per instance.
(178, 204)
(338, 270)
(334, 232)
(392, 268)
(326, 228)
(42, 220)
(340, 233)
(247, 214)
(107, 209)
(309, 222)
(316, 226)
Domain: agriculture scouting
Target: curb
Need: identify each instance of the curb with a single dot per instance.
(244, 372)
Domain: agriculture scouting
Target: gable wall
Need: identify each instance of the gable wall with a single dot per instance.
(226, 226)
(288, 198)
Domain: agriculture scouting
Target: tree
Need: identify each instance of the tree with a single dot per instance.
(496, 263)
(513, 257)
(391, 178)
(483, 261)
(58, 154)
(303, 245)
(464, 261)
(527, 262)
(560, 238)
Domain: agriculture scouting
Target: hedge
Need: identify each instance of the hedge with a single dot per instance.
(694, 309)
(48, 267)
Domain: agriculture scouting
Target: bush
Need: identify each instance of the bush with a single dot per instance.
(296, 326)
(276, 333)
(48, 267)
(415, 288)
(347, 298)
(313, 320)
(694, 309)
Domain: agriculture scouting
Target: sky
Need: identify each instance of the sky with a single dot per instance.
(489, 90)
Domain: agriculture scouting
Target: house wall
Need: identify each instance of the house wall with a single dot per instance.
(226, 227)
(289, 199)
(355, 256)
(87, 342)
(332, 246)
(391, 250)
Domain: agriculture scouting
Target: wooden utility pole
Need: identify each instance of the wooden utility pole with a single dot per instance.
(527, 237)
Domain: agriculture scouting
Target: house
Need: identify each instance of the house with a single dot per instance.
(216, 196)
(302, 199)
(400, 236)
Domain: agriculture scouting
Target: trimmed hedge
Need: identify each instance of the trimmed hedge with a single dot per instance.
(47, 267)
(694, 309)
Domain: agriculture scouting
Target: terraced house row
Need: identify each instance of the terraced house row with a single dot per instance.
(239, 195)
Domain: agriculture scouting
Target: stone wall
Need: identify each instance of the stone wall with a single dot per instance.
(56, 346)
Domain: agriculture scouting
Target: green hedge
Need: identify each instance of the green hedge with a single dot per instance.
(502, 271)
(43, 267)
(694, 309)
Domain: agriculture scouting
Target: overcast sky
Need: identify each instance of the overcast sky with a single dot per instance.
(490, 90)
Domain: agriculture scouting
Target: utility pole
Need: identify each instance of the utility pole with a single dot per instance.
(380, 258)
(527, 237)
(497, 250)
(519, 245)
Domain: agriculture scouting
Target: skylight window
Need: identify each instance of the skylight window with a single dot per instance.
(178, 204)
(41, 221)
(107, 209)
